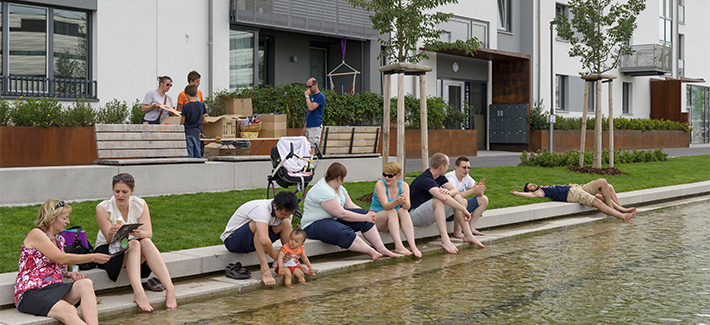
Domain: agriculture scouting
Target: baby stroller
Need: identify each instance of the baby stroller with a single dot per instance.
(292, 166)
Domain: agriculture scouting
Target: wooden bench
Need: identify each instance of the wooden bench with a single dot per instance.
(140, 144)
(350, 140)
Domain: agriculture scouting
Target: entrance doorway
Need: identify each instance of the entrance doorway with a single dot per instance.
(469, 97)
(453, 93)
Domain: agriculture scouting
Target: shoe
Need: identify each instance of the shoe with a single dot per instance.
(236, 271)
(153, 284)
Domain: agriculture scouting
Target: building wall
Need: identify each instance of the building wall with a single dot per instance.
(697, 43)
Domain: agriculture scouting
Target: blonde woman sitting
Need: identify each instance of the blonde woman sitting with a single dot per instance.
(390, 202)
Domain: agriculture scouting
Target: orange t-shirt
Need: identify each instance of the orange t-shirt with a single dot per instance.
(182, 99)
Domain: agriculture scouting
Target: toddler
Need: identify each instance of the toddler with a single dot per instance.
(287, 264)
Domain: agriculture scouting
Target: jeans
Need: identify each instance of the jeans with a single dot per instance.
(193, 146)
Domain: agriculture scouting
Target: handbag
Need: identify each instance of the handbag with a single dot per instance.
(75, 242)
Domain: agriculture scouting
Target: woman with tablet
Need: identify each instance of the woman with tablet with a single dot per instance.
(142, 255)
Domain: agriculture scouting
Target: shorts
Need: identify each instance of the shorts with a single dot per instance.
(242, 239)
(577, 194)
(591, 189)
(292, 268)
(40, 301)
(115, 264)
(423, 215)
(336, 231)
(472, 205)
(313, 135)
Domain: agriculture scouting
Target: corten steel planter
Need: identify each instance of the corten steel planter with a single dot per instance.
(566, 140)
(27, 146)
(454, 143)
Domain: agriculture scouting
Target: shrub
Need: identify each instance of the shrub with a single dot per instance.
(5, 110)
(115, 112)
(79, 114)
(538, 121)
(43, 112)
(136, 113)
(570, 158)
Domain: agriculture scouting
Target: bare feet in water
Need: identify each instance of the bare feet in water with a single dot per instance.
(476, 232)
(142, 302)
(474, 241)
(387, 252)
(628, 216)
(416, 252)
(449, 247)
(267, 278)
(375, 255)
(402, 251)
(170, 301)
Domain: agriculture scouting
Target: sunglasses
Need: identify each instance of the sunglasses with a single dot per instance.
(124, 178)
(388, 175)
(309, 86)
(59, 205)
(169, 85)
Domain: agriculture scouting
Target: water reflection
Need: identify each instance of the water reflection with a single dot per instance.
(653, 270)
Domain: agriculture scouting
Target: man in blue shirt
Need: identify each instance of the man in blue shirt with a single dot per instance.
(597, 193)
(315, 101)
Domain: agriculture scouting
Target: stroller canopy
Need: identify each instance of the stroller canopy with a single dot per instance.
(301, 148)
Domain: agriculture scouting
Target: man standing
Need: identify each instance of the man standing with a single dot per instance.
(315, 102)
(257, 224)
(466, 187)
(433, 198)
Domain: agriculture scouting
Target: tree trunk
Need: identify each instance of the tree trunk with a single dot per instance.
(386, 121)
(583, 135)
(400, 121)
(598, 127)
(611, 125)
(424, 125)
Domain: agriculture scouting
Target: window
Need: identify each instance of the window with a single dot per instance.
(665, 31)
(461, 28)
(627, 95)
(241, 59)
(592, 95)
(681, 55)
(561, 13)
(504, 15)
(561, 92)
(316, 65)
(48, 52)
(681, 11)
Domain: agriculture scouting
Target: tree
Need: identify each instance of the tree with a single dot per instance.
(404, 23)
(599, 32)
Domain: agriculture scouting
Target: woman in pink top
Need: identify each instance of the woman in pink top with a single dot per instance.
(39, 287)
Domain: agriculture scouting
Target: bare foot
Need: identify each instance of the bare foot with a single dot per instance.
(375, 255)
(170, 301)
(474, 241)
(387, 252)
(416, 252)
(142, 302)
(449, 247)
(458, 235)
(302, 280)
(476, 232)
(628, 216)
(402, 251)
(267, 278)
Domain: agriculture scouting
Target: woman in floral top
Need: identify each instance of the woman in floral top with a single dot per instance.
(39, 288)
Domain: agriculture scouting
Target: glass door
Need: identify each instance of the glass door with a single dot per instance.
(453, 93)
(698, 102)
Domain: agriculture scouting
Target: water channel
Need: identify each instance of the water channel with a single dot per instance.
(654, 270)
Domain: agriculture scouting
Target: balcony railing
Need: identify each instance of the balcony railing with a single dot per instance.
(15, 86)
(328, 17)
(647, 60)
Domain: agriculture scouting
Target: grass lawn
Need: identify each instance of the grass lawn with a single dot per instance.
(196, 220)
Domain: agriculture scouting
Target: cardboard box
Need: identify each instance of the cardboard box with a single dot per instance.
(223, 126)
(172, 120)
(237, 106)
(215, 149)
(273, 126)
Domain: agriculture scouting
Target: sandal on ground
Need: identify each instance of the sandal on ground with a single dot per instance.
(236, 271)
(153, 284)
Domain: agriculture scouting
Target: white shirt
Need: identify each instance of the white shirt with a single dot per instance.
(135, 210)
(466, 183)
(257, 211)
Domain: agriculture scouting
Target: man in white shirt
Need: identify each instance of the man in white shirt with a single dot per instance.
(467, 186)
(257, 224)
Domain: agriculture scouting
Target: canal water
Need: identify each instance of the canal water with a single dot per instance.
(654, 270)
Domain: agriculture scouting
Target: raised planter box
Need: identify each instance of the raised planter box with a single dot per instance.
(27, 146)
(623, 139)
(454, 143)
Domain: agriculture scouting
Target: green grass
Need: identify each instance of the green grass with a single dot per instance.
(196, 220)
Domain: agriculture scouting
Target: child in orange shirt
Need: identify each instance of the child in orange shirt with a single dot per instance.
(287, 264)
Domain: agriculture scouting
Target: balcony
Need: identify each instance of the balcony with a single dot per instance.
(16, 86)
(647, 60)
(327, 17)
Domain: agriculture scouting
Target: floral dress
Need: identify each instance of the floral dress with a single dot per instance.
(37, 271)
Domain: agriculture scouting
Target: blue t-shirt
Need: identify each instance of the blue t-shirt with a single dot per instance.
(193, 112)
(315, 118)
(419, 189)
(556, 192)
(376, 206)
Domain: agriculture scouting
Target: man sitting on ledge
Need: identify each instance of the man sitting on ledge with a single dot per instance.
(257, 224)
(597, 193)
